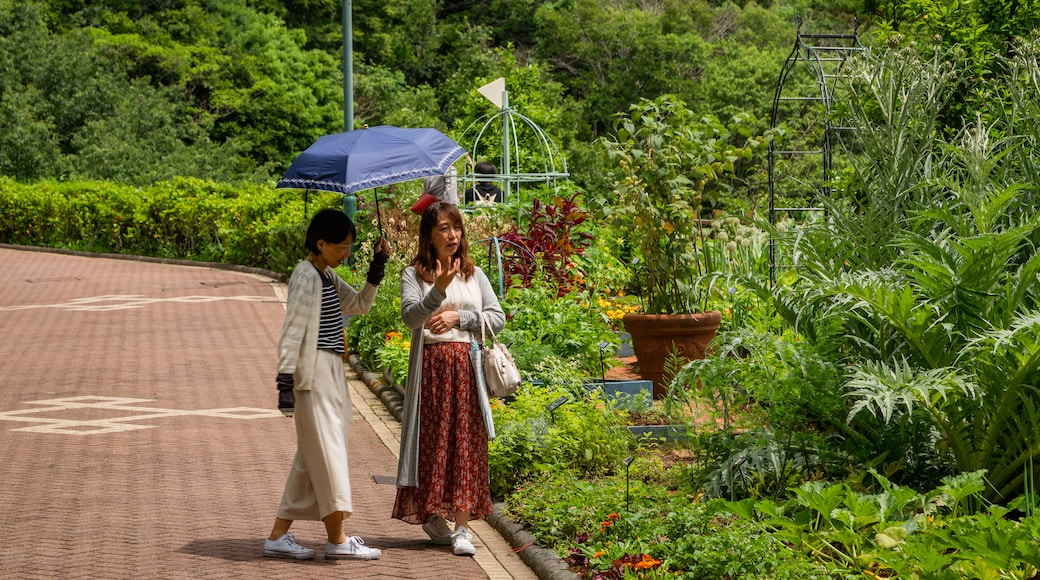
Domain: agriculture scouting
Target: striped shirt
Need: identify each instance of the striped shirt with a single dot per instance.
(330, 329)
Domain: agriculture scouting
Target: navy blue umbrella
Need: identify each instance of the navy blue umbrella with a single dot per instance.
(368, 158)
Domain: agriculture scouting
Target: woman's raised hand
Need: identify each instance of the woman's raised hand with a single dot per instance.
(446, 275)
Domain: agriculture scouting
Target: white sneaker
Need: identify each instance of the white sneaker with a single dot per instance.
(354, 548)
(286, 547)
(438, 530)
(461, 544)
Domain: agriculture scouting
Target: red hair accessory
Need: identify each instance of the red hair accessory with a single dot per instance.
(424, 202)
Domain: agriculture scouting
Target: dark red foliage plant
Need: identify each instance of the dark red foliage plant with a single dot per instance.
(547, 244)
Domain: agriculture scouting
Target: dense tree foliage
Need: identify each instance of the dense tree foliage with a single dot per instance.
(114, 92)
(232, 90)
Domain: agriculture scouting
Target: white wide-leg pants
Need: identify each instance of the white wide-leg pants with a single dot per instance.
(319, 482)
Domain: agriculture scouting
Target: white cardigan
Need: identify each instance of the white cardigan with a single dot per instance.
(298, 345)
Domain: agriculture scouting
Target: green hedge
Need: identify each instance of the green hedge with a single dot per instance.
(193, 219)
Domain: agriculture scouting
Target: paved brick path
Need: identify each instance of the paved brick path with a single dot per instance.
(139, 437)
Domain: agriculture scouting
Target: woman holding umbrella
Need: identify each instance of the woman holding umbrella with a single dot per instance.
(312, 387)
(442, 472)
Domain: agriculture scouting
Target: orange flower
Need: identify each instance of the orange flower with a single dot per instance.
(598, 554)
(646, 563)
(614, 516)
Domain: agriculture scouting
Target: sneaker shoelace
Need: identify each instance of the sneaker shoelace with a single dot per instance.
(290, 540)
(355, 541)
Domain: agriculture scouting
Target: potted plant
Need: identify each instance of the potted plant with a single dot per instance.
(668, 163)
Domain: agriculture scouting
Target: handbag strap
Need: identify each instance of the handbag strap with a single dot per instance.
(485, 322)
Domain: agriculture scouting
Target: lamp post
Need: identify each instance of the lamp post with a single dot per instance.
(349, 200)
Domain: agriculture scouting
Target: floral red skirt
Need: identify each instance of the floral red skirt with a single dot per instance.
(453, 442)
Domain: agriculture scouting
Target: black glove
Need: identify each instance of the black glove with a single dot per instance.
(377, 269)
(286, 398)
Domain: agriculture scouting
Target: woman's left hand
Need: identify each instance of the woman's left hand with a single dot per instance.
(442, 321)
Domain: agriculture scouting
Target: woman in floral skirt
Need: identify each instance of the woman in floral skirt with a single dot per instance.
(442, 472)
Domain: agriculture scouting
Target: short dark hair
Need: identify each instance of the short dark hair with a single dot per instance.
(485, 168)
(331, 225)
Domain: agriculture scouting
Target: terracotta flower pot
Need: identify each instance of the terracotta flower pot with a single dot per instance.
(654, 336)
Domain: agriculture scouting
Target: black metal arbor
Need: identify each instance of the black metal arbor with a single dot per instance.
(808, 91)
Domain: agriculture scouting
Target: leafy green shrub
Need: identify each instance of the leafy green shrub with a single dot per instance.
(101, 217)
(761, 462)
(182, 218)
(582, 434)
(569, 327)
(285, 246)
(794, 383)
(618, 527)
(34, 215)
(898, 532)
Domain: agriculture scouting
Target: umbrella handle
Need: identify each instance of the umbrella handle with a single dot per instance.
(379, 217)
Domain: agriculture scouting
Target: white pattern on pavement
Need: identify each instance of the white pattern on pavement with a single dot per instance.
(115, 423)
(126, 302)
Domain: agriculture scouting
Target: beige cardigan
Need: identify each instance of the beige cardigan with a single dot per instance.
(298, 345)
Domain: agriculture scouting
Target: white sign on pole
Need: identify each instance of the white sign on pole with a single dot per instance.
(493, 91)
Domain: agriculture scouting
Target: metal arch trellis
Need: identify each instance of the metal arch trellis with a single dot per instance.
(496, 243)
(510, 168)
(825, 57)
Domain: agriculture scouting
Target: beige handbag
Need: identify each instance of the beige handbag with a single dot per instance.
(500, 373)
